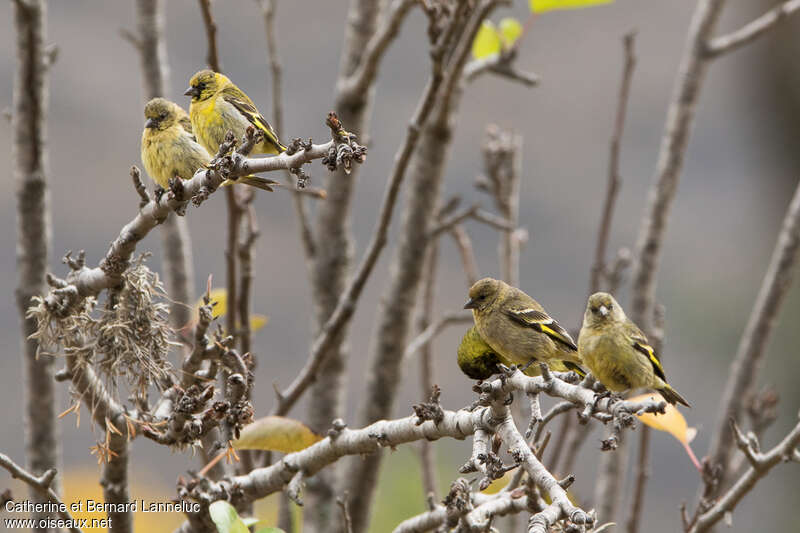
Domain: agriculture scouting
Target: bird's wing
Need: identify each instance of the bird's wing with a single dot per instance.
(541, 322)
(640, 344)
(245, 106)
(186, 124)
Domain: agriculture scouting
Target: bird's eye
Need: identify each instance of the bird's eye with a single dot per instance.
(163, 115)
(610, 306)
(595, 309)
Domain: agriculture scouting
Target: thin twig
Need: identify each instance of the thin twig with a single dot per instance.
(756, 335)
(212, 56)
(760, 465)
(426, 377)
(268, 8)
(421, 341)
(599, 268)
(642, 475)
(753, 30)
(91, 281)
(347, 523)
(466, 251)
(364, 76)
(346, 304)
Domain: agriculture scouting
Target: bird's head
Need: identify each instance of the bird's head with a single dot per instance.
(483, 293)
(602, 307)
(205, 84)
(160, 114)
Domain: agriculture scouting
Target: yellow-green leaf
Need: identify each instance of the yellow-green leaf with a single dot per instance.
(541, 6)
(226, 518)
(487, 41)
(277, 434)
(510, 30)
(672, 422)
(257, 322)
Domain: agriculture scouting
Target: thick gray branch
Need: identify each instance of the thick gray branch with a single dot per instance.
(674, 141)
(29, 123)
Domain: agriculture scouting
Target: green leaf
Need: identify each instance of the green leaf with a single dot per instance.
(510, 30)
(541, 6)
(277, 434)
(226, 518)
(270, 530)
(487, 41)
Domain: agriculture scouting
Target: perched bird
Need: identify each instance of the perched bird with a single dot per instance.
(219, 106)
(477, 360)
(169, 149)
(518, 329)
(617, 352)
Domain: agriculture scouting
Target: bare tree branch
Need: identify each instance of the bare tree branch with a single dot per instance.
(268, 8)
(397, 303)
(29, 150)
(752, 346)
(212, 56)
(333, 247)
(753, 30)
(599, 266)
(493, 416)
(426, 376)
(674, 141)
(362, 78)
(86, 281)
(42, 485)
(114, 481)
(760, 465)
(465, 250)
(642, 476)
(501, 64)
(346, 303)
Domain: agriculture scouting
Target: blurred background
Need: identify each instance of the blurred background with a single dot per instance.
(741, 168)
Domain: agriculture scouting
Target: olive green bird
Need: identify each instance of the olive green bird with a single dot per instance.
(518, 329)
(219, 106)
(169, 150)
(617, 352)
(477, 360)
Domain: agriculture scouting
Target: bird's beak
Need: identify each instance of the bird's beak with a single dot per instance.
(604, 310)
(192, 91)
(151, 123)
(470, 304)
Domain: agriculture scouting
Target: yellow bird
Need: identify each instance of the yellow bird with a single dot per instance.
(617, 352)
(518, 328)
(219, 106)
(169, 150)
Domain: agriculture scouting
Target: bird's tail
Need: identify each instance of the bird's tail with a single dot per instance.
(253, 181)
(672, 396)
